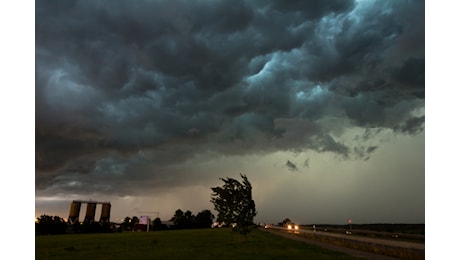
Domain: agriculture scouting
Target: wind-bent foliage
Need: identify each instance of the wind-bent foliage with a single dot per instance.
(234, 204)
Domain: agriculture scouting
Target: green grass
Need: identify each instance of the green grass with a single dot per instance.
(178, 244)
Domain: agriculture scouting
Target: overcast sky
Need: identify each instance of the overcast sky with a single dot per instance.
(148, 103)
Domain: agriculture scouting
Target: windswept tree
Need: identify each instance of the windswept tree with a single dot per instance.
(234, 204)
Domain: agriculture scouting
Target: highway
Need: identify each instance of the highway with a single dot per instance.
(384, 248)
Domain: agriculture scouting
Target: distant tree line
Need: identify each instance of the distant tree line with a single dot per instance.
(46, 224)
(187, 220)
(181, 220)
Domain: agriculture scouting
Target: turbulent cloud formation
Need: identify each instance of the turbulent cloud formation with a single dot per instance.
(291, 166)
(127, 92)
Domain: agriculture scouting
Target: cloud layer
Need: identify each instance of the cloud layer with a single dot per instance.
(126, 92)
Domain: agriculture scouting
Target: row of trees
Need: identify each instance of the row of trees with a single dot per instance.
(47, 224)
(184, 220)
(181, 220)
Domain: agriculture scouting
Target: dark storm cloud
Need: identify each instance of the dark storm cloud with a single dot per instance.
(365, 152)
(128, 88)
(413, 125)
(312, 10)
(291, 166)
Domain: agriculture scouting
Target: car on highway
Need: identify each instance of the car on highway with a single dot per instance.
(292, 226)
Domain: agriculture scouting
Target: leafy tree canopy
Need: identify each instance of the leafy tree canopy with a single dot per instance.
(234, 204)
(204, 219)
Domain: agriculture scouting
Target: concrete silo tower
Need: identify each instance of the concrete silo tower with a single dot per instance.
(90, 212)
(105, 213)
(74, 212)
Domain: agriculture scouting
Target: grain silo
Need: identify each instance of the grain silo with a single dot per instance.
(105, 213)
(74, 212)
(90, 212)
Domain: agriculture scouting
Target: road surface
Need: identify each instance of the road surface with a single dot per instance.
(354, 252)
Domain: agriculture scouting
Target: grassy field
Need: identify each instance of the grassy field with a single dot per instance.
(178, 244)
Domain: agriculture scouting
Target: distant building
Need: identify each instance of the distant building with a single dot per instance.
(169, 224)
